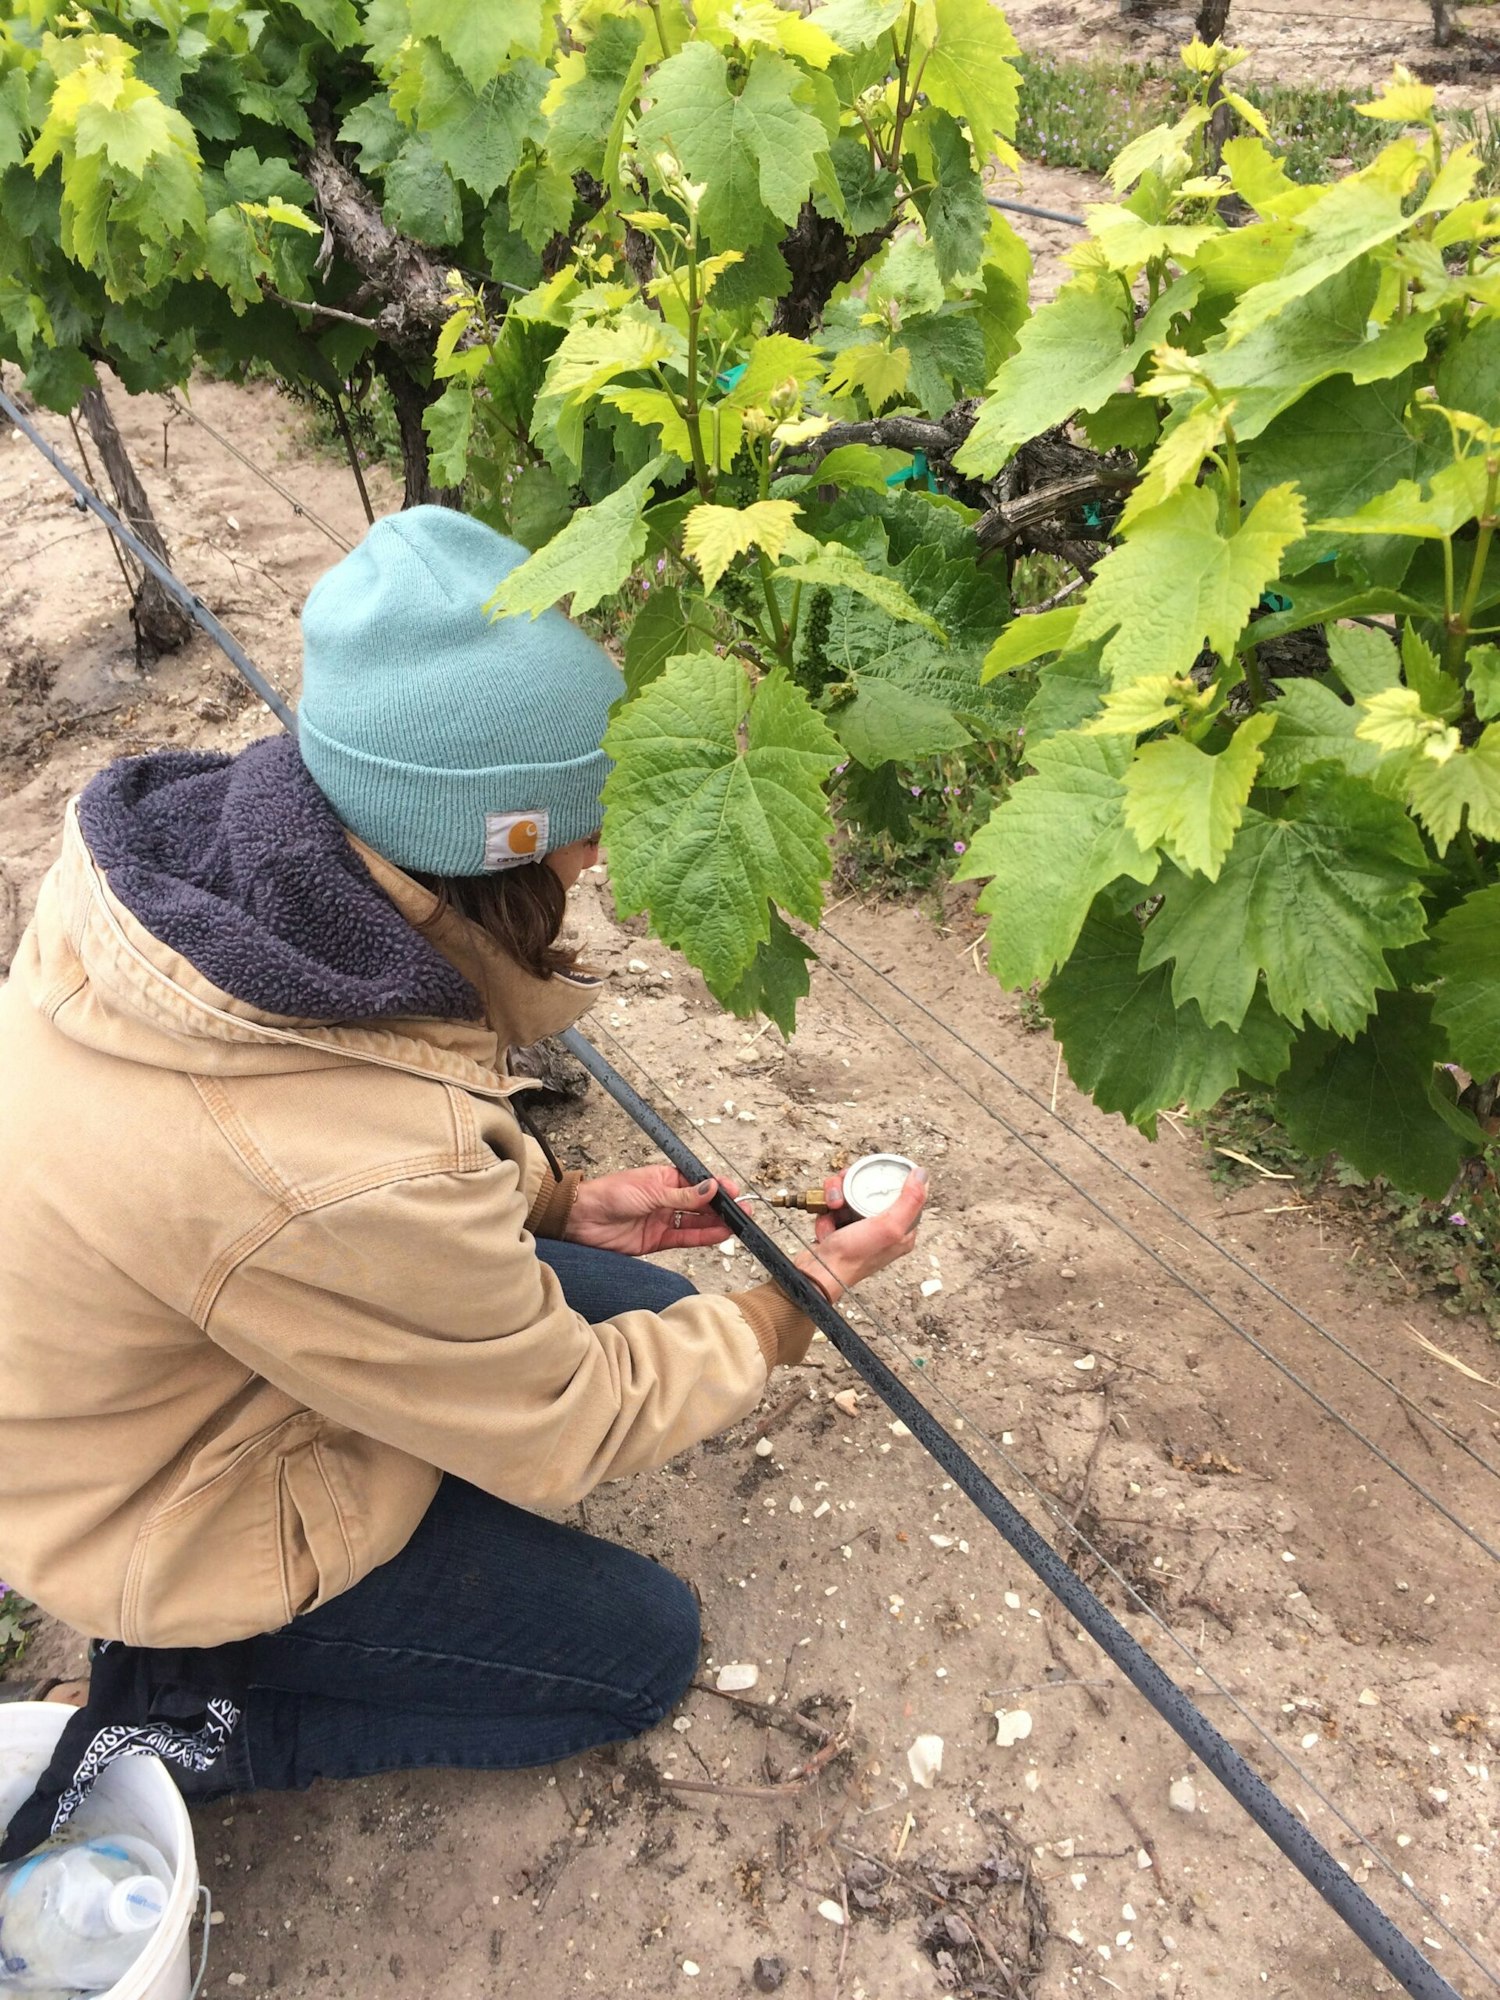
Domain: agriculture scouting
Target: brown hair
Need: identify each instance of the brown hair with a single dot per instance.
(522, 909)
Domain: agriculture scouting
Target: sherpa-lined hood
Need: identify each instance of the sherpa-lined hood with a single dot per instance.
(219, 901)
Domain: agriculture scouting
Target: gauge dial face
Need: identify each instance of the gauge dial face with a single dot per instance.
(873, 1183)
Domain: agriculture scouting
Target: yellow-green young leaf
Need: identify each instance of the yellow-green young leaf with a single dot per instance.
(1248, 112)
(705, 834)
(710, 270)
(284, 212)
(773, 359)
(1142, 705)
(1440, 791)
(1484, 680)
(1364, 659)
(1178, 458)
(1179, 798)
(878, 371)
(1455, 496)
(839, 568)
(1395, 721)
(1026, 639)
(480, 39)
(1259, 178)
(1178, 582)
(1059, 838)
(1440, 692)
(714, 536)
(592, 355)
(854, 467)
(1164, 146)
(588, 559)
(968, 72)
(1129, 242)
(752, 23)
(1402, 101)
(855, 24)
(653, 406)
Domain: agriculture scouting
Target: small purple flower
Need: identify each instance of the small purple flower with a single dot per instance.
(840, 769)
(1459, 1221)
(916, 791)
(960, 847)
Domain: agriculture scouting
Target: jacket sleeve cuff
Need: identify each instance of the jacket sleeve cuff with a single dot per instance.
(553, 1204)
(783, 1330)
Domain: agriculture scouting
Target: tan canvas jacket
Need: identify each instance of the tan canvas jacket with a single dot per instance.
(262, 1281)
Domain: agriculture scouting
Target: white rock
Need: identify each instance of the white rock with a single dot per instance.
(830, 1909)
(794, 1505)
(640, 965)
(1063, 1849)
(1032, 1780)
(1013, 1600)
(1310, 1740)
(682, 1724)
(690, 1967)
(1088, 1361)
(941, 1541)
(1182, 1795)
(823, 1507)
(898, 1429)
(1142, 1858)
(930, 1286)
(737, 1676)
(847, 1401)
(924, 1760)
(763, 1447)
(1012, 1725)
(1368, 1698)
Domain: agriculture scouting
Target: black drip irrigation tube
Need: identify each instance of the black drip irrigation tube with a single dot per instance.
(1307, 1854)
(1030, 208)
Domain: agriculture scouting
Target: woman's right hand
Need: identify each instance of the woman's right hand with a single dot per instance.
(856, 1250)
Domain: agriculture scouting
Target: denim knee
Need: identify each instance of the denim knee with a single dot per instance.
(677, 1640)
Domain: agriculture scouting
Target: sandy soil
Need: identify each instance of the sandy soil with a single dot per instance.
(1313, 43)
(1352, 1622)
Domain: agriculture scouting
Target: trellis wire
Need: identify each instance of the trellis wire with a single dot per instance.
(1165, 1264)
(1295, 1840)
(1145, 1187)
(1069, 1525)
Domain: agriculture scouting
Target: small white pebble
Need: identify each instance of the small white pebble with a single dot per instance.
(640, 965)
(763, 1447)
(1088, 1361)
(1368, 1698)
(737, 1676)
(690, 1967)
(1013, 1600)
(830, 1909)
(929, 1287)
(1309, 1741)
(682, 1724)
(794, 1505)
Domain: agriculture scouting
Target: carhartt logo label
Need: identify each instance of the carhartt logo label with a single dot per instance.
(512, 838)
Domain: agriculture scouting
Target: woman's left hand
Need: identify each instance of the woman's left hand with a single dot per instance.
(646, 1209)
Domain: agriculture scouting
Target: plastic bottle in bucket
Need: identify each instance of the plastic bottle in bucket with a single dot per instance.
(76, 1918)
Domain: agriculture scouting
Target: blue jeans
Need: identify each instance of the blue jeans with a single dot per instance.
(494, 1640)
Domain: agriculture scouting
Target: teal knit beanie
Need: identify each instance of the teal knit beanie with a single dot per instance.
(447, 741)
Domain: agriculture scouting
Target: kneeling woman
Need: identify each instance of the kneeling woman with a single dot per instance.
(300, 1336)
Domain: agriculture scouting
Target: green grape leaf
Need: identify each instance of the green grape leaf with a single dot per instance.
(540, 200)
(773, 359)
(776, 980)
(945, 353)
(1058, 839)
(1068, 694)
(1483, 666)
(1314, 726)
(953, 208)
(1440, 693)
(1071, 355)
(1442, 792)
(1313, 901)
(1453, 496)
(705, 834)
(1324, 333)
(1468, 376)
(1467, 1004)
(872, 367)
(670, 623)
(968, 601)
(1364, 659)
(479, 135)
(1131, 1049)
(376, 130)
(1376, 1101)
(421, 199)
(855, 24)
(840, 568)
(480, 39)
(854, 467)
(594, 88)
(1333, 232)
(1177, 581)
(890, 721)
(714, 536)
(1190, 804)
(590, 558)
(1028, 637)
(541, 506)
(869, 191)
(15, 118)
(592, 354)
(968, 73)
(449, 424)
(757, 153)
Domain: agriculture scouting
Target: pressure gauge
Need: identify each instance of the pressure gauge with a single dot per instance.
(873, 1182)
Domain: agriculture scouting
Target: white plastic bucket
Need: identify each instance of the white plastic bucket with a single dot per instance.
(134, 1796)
